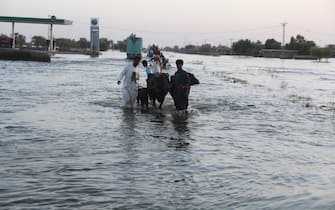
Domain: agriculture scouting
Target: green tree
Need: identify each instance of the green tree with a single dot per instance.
(300, 44)
(257, 47)
(242, 47)
(83, 43)
(205, 48)
(326, 52)
(320, 53)
(272, 44)
(246, 47)
(121, 45)
(66, 44)
(190, 47)
(104, 44)
(176, 48)
(39, 41)
(20, 40)
(5, 41)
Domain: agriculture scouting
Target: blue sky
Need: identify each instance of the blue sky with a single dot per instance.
(181, 22)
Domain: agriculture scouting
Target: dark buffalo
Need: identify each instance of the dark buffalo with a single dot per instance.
(158, 87)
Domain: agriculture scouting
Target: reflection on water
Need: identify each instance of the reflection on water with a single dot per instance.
(180, 126)
(258, 135)
(128, 122)
(180, 122)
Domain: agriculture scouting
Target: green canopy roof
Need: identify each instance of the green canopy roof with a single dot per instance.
(52, 20)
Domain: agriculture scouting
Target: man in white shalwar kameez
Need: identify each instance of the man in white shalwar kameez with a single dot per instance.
(130, 75)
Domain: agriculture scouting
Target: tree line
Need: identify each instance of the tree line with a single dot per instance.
(303, 47)
(205, 49)
(247, 47)
(244, 47)
(65, 44)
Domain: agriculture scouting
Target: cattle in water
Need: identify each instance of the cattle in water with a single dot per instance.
(143, 97)
(158, 87)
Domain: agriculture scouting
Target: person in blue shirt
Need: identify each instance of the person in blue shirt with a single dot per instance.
(147, 68)
(181, 85)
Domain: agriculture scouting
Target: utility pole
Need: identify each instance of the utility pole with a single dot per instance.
(283, 42)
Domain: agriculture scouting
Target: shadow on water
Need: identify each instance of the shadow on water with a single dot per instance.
(128, 143)
(180, 123)
(170, 126)
(128, 123)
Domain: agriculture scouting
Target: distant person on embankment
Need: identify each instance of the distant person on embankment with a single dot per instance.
(130, 76)
(181, 85)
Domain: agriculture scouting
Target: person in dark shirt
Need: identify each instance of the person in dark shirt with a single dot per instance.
(180, 86)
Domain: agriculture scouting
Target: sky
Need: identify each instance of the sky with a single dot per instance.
(180, 22)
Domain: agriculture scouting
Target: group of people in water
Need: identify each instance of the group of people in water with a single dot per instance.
(179, 84)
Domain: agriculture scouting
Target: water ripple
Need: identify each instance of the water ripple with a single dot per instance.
(249, 140)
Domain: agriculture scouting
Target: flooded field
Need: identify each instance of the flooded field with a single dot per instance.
(259, 135)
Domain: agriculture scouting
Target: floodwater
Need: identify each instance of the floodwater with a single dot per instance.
(259, 135)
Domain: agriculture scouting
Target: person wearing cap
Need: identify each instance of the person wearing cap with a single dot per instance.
(181, 85)
(130, 76)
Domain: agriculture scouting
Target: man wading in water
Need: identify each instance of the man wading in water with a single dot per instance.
(181, 84)
(130, 75)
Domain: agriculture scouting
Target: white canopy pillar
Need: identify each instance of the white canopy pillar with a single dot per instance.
(13, 35)
(51, 45)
